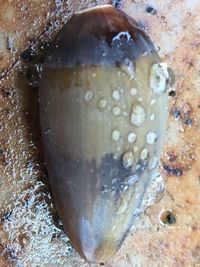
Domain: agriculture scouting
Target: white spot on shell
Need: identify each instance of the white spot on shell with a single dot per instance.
(116, 111)
(132, 138)
(89, 96)
(159, 77)
(116, 135)
(144, 154)
(137, 115)
(127, 159)
(116, 95)
(151, 138)
(102, 103)
(133, 91)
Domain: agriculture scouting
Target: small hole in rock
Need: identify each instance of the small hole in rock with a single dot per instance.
(151, 10)
(167, 218)
(172, 93)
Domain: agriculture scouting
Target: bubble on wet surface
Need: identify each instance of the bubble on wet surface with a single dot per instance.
(144, 154)
(159, 78)
(116, 95)
(151, 138)
(137, 115)
(116, 135)
(116, 111)
(133, 91)
(132, 138)
(102, 103)
(127, 159)
(152, 117)
(89, 95)
(153, 163)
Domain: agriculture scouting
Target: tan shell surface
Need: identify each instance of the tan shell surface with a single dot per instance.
(28, 235)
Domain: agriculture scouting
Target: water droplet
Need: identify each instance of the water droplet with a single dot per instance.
(116, 111)
(133, 91)
(151, 138)
(153, 163)
(152, 117)
(138, 167)
(144, 154)
(114, 181)
(113, 193)
(159, 77)
(116, 95)
(132, 179)
(132, 138)
(125, 188)
(153, 101)
(122, 206)
(89, 96)
(118, 148)
(116, 135)
(137, 115)
(127, 159)
(48, 131)
(102, 103)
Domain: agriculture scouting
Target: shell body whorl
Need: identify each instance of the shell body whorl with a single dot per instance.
(103, 115)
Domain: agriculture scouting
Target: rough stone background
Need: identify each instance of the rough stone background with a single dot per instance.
(168, 232)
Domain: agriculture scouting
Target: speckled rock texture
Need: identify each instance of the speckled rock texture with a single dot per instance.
(167, 233)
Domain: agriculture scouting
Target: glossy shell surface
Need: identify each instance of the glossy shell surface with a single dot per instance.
(103, 109)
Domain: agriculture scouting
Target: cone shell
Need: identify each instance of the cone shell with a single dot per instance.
(103, 117)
